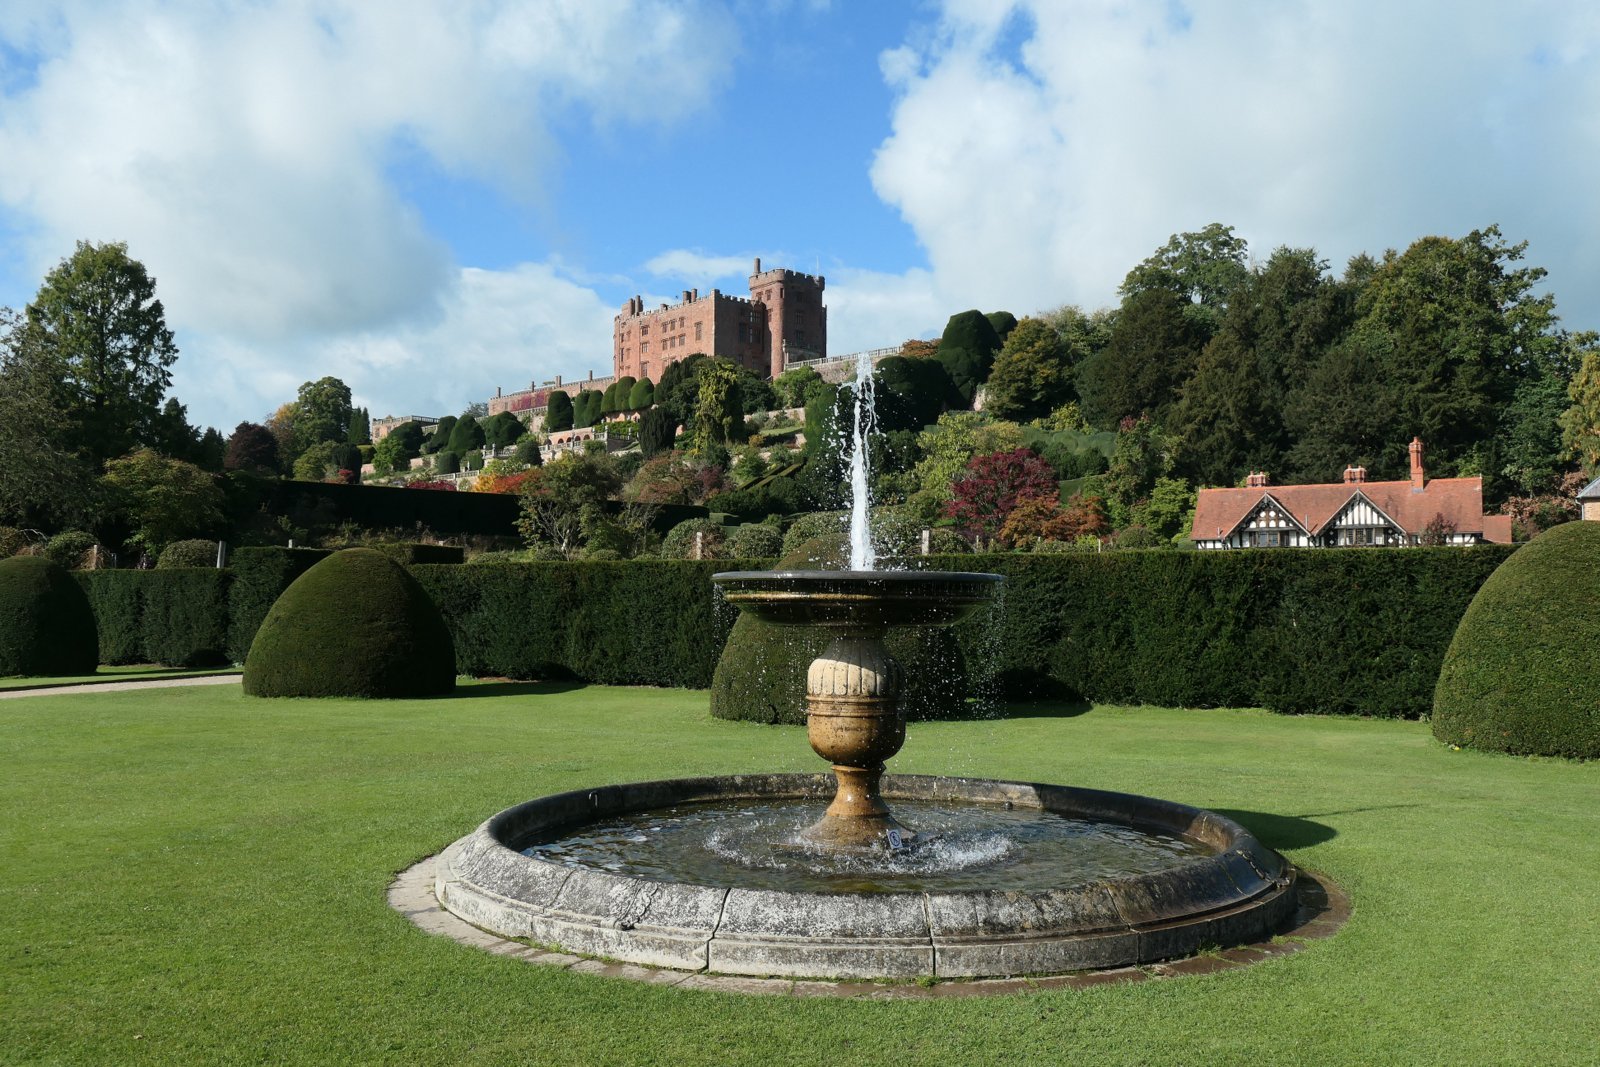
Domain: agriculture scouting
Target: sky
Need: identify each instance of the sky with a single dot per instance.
(434, 200)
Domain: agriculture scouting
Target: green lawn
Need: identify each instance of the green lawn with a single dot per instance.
(189, 876)
(135, 673)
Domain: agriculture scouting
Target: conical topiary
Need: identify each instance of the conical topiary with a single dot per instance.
(1520, 675)
(761, 675)
(47, 627)
(355, 625)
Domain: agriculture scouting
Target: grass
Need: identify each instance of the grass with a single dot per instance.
(133, 673)
(190, 876)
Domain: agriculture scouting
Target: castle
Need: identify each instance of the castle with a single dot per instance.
(783, 321)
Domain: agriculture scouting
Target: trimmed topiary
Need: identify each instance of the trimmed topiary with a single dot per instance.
(46, 624)
(679, 542)
(761, 675)
(755, 541)
(1519, 675)
(354, 625)
(193, 553)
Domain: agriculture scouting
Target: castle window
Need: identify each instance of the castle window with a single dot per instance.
(697, 330)
(644, 346)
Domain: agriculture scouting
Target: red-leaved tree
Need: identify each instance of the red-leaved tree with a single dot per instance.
(992, 485)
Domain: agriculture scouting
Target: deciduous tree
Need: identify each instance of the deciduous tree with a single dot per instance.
(992, 486)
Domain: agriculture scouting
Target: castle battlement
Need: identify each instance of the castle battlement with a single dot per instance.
(783, 311)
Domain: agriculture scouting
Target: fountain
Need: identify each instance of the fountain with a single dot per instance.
(738, 875)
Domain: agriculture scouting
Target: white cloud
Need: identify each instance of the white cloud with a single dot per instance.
(243, 151)
(694, 266)
(494, 329)
(1039, 149)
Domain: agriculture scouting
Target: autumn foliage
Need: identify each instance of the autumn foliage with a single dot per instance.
(993, 485)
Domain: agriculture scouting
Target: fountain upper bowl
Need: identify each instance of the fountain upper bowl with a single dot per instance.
(848, 599)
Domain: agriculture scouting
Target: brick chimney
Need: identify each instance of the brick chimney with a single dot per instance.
(1417, 477)
(1355, 475)
(1256, 480)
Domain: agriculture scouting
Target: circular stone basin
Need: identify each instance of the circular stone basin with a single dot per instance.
(1195, 880)
(858, 599)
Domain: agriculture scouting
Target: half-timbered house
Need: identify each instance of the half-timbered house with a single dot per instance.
(1352, 513)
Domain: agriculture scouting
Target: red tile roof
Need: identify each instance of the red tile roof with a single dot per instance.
(1218, 512)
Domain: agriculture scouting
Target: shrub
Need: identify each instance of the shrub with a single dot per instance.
(447, 463)
(46, 624)
(260, 575)
(761, 674)
(194, 553)
(812, 525)
(1519, 673)
(679, 542)
(354, 625)
(12, 541)
(755, 542)
(68, 548)
(178, 617)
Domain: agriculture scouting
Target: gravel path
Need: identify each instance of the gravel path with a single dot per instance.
(117, 687)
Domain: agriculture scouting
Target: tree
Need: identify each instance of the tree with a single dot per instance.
(917, 348)
(911, 393)
(399, 448)
(438, 439)
(281, 424)
(465, 436)
(952, 442)
(558, 411)
(1143, 455)
(1031, 375)
(211, 451)
(164, 500)
(528, 453)
(658, 431)
(1003, 322)
(556, 496)
(719, 404)
(792, 384)
(360, 427)
(1152, 353)
(642, 395)
(322, 413)
(44, 481)
(502, 430)
(170, 433)
(992, 486)
(324, 459)
(98, 326)
(967, 348)
(252, 447)
(1203, 269)
(1580, 422)
(586, 408)
(679, 387)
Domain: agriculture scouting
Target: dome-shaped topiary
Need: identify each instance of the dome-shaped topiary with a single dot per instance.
(354, 625)
(761, 675)
(46, 624)
(1519, 675)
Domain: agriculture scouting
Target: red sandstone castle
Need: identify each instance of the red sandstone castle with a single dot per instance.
(782, 322)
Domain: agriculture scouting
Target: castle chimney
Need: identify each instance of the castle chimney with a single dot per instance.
(758, 266)
(1417, 477)
(1256, 480)
(1355, 475)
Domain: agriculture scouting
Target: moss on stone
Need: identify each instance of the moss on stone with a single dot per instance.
(1520, 674)
(47, 627)
(354, 625)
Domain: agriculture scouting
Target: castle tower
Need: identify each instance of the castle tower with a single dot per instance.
(795, 316)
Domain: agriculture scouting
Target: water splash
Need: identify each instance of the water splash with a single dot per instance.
(862, 555)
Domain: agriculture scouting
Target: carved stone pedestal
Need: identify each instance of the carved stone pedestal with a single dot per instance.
(854, 723)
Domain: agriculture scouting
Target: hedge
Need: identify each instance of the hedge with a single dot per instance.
(260, 575)
(178, 617)
(46, 624)
(633, 622)
(1313, 631)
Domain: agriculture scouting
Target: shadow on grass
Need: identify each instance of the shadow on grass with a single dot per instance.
(487, 688)
(1045, 708)
(1294, 831)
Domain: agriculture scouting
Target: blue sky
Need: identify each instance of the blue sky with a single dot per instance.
(432, 200)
